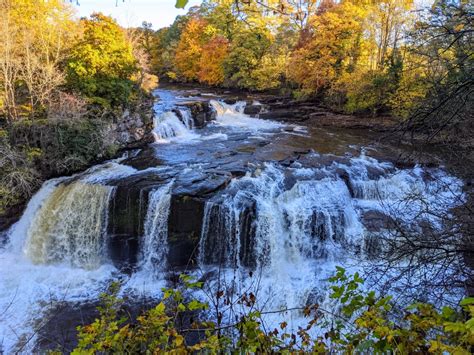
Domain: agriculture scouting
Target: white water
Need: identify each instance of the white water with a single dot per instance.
(154, 248)
(168, 127)
(232, 116)
(302, 230)
(171, 127)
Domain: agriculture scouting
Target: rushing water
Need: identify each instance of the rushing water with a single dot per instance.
(258, 200)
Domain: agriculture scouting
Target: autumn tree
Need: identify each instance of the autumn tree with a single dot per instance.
(35, 37)
(253, 62)
(102, 63)
(189, 50)
(214, 53)
(333, 48)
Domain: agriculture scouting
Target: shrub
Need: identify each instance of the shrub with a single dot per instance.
(363, 325)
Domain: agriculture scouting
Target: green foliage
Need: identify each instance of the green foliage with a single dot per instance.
(250, 63)
(101, 65)
(180, 4)
(365, 324)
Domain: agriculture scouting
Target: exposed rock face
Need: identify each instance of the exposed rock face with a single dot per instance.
(125, 225)
(253, 110)
(202, 112)
(133, 126)
(128, 210)
(184, 229)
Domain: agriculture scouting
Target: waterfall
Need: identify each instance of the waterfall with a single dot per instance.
(154, 248)
(186, 118)
(70, 226)
(308, 221)
(167, 125)
(232, 116)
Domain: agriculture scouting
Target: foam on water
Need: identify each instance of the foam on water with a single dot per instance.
(232, 116)
(169, 128)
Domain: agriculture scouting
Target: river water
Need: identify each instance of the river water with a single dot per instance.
(246, 204)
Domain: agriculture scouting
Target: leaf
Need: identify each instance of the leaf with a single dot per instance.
(194, 305)
(180, 4)
(160, 308)
(467, 301)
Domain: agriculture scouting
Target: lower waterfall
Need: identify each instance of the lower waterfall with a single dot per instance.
(70, 226)
(154, 246)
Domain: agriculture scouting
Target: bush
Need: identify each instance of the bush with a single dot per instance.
(363, 325)
(18, 176)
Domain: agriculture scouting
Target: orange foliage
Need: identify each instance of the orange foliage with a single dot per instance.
(188, 53)
(212, 58)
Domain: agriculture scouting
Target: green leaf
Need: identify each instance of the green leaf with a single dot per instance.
(180, 4)
(467, 301)
(194, 305)
(160, 308)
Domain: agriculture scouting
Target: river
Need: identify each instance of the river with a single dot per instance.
(246, 204)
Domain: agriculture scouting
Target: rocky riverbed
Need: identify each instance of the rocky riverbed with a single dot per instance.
(243, 186)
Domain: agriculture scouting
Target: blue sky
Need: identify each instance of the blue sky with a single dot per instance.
(131, 13)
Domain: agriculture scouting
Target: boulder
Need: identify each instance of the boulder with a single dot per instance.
(253, 110)
(202, 112)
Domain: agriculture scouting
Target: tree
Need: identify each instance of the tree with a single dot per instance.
(102, 63)
(189, 50)
(214, 53)
(35, 37)
(332, 49)
(252, 62)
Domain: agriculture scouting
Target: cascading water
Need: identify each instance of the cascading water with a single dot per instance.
(232, 116)
(276, 229)
(303, 228)
(167, 125)
(70, 226)
(154, 247)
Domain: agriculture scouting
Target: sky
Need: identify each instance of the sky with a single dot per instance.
(131, 13)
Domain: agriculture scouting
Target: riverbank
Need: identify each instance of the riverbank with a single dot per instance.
(40, 149)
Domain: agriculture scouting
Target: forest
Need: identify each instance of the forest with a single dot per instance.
(78, 92)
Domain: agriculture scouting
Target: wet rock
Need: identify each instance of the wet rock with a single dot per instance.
(344, 176)
(127, 212)
(184, 229)
(376, 221)
(144, 160)
(248, 227)
(202, 112)
(201, 183)
(230, 101)
(253, 110)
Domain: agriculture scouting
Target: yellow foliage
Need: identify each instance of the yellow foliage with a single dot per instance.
(332, 49)
(188, 53)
